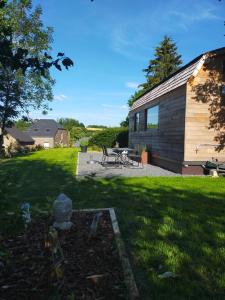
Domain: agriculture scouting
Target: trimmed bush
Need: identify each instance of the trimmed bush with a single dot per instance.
(110, 136)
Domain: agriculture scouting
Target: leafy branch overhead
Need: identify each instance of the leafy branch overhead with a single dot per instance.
(21, 59)
(25, 80)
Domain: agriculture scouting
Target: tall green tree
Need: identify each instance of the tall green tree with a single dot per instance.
(125, 123)
(25, 81)
(167, 60)
(69, 123)
(135, 96)
(23, 124)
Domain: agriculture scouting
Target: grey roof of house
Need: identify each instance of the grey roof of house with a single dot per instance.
(175, 80)
(19, 135)
(44, 128)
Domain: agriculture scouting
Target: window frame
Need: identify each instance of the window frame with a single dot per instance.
(137, 128)
(146, 118)
(223, 67)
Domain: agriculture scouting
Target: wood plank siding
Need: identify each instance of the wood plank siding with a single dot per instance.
(203, 95)
(191, 127)
(166, 143)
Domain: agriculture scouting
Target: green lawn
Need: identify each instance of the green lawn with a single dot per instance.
(168, 224)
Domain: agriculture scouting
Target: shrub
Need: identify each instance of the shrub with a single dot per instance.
(39, 147)
(77, 133)
(110, 136)
(84, 143)
(95, 148)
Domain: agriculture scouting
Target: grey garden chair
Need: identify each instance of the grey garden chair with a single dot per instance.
(136, 157)
(107, 155)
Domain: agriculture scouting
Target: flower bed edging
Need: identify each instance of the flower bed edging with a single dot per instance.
(128, 274)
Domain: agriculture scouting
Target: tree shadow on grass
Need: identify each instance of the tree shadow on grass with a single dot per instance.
(168, 224)
(169, 229)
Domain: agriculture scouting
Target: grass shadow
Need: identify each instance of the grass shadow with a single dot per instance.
(168, 224)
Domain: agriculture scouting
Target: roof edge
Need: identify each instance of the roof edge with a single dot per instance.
(202, 56)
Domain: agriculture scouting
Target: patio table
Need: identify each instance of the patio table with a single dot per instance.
(123, 154)
(120, 150)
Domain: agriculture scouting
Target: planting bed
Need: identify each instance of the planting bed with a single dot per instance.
(91, 269)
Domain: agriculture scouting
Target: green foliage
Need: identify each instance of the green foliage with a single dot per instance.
(69, 123)
(25, 81)
(22, 124)
(135, 96)
(125, 123)
(77, 132)
(94, 148)
(96, 126)
(166, 61)
(110, 136)
(84, 143)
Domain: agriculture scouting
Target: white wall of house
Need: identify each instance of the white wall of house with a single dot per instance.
(46, 142)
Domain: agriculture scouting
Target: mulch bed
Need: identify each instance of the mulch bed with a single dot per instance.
(91, 266)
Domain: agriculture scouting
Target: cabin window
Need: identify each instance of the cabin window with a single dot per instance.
(152, 117)
(223, 68)
(223, 89)
(136, 122)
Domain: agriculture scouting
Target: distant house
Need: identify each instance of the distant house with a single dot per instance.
(49, 134)
(15, 138)
(182, 119)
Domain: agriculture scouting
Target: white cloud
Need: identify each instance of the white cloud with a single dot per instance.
(132, 85)
(60, 97)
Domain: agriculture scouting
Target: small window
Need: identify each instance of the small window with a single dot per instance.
(136, 122)
(223, 89)
(35, 129)
(152, 117)
(47, 129)
(223, 68)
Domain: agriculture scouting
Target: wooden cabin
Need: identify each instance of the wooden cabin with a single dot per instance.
(181, 121)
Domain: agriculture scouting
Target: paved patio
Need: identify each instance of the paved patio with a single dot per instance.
(97, 170)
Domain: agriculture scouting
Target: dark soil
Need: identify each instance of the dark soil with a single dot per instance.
(91, 268)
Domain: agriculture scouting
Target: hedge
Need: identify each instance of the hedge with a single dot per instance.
(110, 136)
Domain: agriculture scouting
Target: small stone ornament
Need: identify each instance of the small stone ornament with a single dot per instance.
(25, 207)
(62, 211)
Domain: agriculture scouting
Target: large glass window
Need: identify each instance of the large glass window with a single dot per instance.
(136, 122)
(152, 117)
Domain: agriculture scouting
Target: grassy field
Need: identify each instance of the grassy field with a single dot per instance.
(168, 224)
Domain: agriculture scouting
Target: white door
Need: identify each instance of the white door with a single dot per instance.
(46, 145)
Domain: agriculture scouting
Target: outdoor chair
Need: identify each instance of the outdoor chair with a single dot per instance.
(136, 157)
(214, 165)
(106, 155)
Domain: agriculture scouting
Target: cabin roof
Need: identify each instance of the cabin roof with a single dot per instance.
(175, 80)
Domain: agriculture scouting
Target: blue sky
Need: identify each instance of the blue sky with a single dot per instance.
(111, 42)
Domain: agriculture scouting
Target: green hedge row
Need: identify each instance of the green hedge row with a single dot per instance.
(110, 136)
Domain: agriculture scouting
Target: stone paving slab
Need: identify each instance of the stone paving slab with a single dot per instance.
(97, 170)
